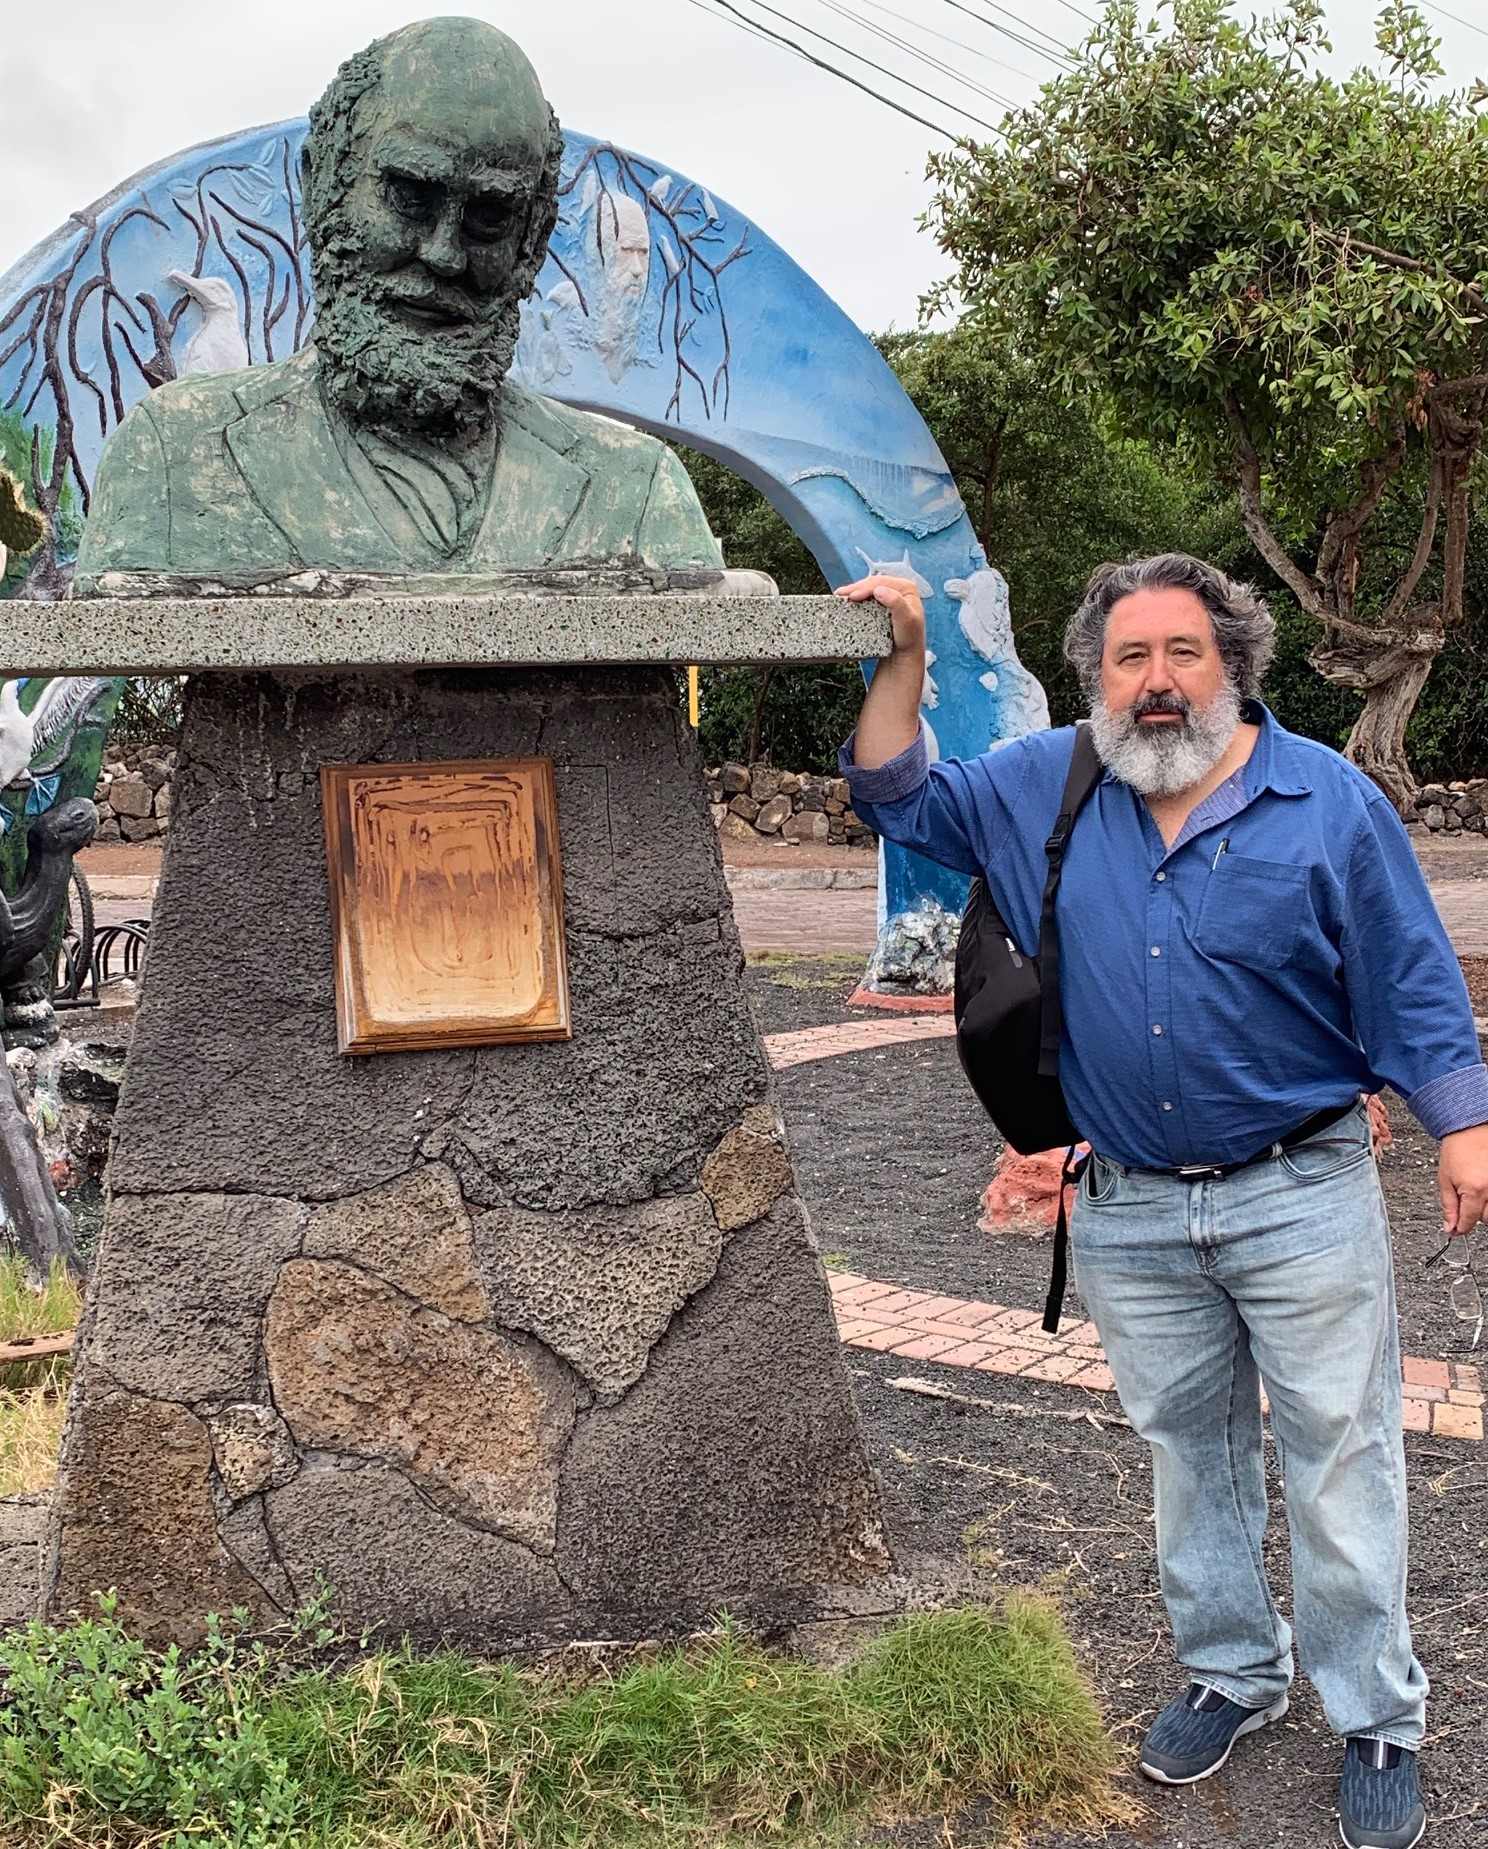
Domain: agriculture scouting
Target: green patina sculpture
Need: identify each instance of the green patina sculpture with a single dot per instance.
(395, 443)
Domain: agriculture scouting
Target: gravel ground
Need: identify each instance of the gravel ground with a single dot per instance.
(892, 1154)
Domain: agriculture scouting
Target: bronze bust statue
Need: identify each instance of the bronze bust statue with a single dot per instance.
(395, 442)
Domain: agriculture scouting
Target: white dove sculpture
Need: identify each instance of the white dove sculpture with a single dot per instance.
(42, 738)
(218, 344)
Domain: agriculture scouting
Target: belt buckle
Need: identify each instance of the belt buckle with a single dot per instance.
(1200, 1171)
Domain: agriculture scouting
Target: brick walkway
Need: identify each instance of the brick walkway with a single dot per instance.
(794, 1049)
(1443, 1398)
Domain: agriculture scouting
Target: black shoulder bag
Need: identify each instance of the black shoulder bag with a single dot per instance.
(1007, 1012)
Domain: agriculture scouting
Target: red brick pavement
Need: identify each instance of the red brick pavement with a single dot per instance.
(1443, 1398)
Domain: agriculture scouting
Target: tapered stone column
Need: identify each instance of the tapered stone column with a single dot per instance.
(511, 1342)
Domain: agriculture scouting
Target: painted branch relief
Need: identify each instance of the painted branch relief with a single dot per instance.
(447, 901)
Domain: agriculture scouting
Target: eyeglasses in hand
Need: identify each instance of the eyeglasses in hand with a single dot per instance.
(1464, 1296)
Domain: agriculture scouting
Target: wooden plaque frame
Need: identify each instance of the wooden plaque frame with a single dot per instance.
(446, 903)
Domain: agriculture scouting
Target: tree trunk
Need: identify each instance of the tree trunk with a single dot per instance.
(1391, 676)
(757, 723)
(38, 1222)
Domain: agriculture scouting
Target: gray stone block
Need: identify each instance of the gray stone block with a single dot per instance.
(395, 1563)
(733, 1473)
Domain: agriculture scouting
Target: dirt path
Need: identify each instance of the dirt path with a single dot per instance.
(892, 1154)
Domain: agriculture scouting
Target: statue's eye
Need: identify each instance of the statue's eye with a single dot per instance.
(418, 200)
(488, 217)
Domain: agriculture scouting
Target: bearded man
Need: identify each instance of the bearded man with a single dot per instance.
(395, 443)
(1246, 945)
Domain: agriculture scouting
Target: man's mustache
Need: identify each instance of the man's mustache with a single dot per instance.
(1162, 703)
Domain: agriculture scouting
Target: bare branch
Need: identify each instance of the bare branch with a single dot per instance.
(1248, 466)
(1346, 241)
(1378, 472)
(1406, 589)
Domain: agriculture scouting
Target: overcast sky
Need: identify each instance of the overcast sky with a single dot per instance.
(832, 175)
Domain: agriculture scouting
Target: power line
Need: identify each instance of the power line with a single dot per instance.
(1043, 51)
(847, 51)
(946, 39)
(764, 32)
(925, 57)
(1456, 18)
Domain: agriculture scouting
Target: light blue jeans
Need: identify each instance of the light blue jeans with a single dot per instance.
(1202, 1290)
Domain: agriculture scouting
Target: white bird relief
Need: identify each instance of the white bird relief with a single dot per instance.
(39, 740)
(218, 344)
(986, 620)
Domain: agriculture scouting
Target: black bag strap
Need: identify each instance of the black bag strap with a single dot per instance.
(1059, 1268)
(1085, 772)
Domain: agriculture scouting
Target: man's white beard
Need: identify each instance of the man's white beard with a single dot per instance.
(1164, 760)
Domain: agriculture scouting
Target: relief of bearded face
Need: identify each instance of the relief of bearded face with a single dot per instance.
(430, 195)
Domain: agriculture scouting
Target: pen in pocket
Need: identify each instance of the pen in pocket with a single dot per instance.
(1223, 848)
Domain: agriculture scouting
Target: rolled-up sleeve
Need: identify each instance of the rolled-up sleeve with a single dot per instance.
(1411, 1009)
(949, 811)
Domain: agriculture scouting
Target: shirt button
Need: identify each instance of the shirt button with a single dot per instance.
(1157, 1030)
(1155, 951)
(1161, 877)
(1166, 1105)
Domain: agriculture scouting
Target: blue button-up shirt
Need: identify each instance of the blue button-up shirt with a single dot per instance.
(1281, 957)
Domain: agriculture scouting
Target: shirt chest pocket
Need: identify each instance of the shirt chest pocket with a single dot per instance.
(1252, 911)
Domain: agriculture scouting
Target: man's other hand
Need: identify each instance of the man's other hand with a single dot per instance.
(1462, 1178)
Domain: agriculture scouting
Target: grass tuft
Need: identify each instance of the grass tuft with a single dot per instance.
(253, 1744)
(33, 1394)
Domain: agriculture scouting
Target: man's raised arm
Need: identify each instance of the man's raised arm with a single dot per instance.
(890, 720)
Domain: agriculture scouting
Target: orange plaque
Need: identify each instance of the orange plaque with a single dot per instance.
(446, 902)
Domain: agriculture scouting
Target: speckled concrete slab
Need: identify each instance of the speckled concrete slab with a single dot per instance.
(183, 635)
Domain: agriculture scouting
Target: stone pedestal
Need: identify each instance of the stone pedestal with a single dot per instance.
(510, 1343)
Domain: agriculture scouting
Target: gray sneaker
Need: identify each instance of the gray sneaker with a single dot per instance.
(1379, 1796)
(1192, 1737)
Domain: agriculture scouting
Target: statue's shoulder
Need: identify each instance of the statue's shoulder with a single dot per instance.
(212, 400)
(584, 436)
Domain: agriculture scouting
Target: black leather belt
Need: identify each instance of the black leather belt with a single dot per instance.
(1216, 1171)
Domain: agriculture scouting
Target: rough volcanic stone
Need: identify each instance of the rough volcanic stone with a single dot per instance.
(748, 1171)
(742, 1441)
(735, 828)
(245, 1535)
(476, 1421)
(136, 1516)
(235, 1080)
(598, 1286)
(182, 1283)
(402, 1567)
(744, 806)
(414, 1232)
(252, 1448)
(772, 814)
(809, 825)
(130, 796)
(763, 782)
(734, 778)
(23, 1521)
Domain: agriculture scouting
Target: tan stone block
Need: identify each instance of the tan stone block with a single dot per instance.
(415, 1232)
(137, 1516)
(600, 1285)
(253, 1449)
(735, 828)
(747, 1173)
(475, 1420)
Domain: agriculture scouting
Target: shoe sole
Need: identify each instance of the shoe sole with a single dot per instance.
(1410, 1845)
(1253, 1725)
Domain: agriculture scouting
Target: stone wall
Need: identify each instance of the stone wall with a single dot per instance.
(756, 802)
(1454, 808)
(134, 792)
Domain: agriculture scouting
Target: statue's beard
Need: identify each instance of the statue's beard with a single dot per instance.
(382, 369)
(1165, 760)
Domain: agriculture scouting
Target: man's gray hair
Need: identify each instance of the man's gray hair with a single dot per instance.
(1244, 629)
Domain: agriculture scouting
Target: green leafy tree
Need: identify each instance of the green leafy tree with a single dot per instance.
(1283, 271)
(1053, 489)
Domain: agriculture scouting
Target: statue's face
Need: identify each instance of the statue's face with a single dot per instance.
(422, 259)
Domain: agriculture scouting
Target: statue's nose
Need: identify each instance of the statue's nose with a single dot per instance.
(443, 250)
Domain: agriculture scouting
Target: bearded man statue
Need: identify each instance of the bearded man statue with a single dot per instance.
(395, 443)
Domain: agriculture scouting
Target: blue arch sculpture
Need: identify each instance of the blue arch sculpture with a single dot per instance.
(658, 305)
